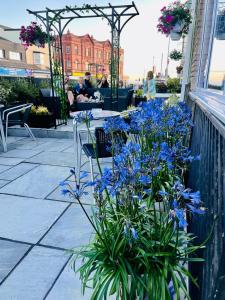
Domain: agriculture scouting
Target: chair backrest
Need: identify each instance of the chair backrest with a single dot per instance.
(45, 93)
(104, 141)
(105, 92)
(26, 113)
(130, 97)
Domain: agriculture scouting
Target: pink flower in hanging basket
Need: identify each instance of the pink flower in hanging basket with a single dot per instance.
(33, 35)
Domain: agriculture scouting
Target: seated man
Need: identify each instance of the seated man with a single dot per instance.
(87, 81)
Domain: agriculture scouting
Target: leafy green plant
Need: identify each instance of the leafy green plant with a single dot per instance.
(176, 55)
(139, 244)
(5, 91)
(173, 85)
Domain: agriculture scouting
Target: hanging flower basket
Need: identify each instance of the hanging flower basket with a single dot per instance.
(175, 20)
(220, 26)
(33, 35)
(179, 69)
(176, 55)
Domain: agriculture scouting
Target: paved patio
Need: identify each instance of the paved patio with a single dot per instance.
(38, 223)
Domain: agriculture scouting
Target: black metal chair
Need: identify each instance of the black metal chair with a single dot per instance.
(103, 147)
(22, 113)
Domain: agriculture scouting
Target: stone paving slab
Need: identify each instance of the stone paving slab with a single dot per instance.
(17, 171)
(4, 168)
(38, 182)
(68, 286)
(71, 230)
(10, 254)
(10, 161)
(35, 275)
(3, 182)
(55, 159)
(53, 146)
(27, 219)
(20, 153)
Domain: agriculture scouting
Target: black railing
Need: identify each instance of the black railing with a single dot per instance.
(208, 176)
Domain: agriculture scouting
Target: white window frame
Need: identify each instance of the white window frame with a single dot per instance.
(13, 55)
(76, 64)
(76, 49)
(2, 53)
(211, 99)
(41, 58)
(68, 64)
(67, 49)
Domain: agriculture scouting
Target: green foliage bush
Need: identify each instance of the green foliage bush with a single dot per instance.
(20, 90)
(173, 85)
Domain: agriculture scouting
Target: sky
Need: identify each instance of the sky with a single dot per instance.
(141, 42)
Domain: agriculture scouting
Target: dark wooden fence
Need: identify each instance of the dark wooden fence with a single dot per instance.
(208, 176)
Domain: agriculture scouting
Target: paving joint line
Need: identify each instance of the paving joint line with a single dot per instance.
(57, 277)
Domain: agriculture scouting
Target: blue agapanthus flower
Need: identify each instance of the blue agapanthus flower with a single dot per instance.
(84, 117)
(115, 124)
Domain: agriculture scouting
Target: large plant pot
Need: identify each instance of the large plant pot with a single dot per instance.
(176, 32)
(175, 36)
(41, 121)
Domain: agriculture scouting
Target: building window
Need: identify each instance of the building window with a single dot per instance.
(15, 55)
(99, 54)
(38, 58)
(68, 64)
(88, 52)
(67, 49)
(76, 49)
(2, 53)
(216, 76)
(87, 66)
(76, 64)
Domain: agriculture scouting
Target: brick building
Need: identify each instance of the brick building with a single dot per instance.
(84, 53)
(16, 61)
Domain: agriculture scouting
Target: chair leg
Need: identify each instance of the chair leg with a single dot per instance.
(4, 143)
(30, 132)
(79, 165)
(92, 174)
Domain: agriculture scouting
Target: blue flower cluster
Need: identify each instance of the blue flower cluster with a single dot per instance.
(148, 168)
(84, 117)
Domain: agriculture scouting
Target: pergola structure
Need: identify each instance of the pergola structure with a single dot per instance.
(56, 20)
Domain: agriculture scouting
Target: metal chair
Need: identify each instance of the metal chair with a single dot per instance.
(22, 111)
(103, 144)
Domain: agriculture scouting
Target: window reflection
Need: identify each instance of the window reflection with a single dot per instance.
(217, 67)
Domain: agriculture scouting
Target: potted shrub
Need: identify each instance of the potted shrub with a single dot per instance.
(220, 25)
(175, 20)
(139, 247)
(33, 35)
(176, 55)
(40, 117)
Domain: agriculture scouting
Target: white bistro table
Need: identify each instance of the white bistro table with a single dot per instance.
(2, 131)
(98, 114)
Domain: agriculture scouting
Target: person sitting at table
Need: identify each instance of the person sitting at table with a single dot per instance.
(103, 83)
(81, 91)
(87, 81)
